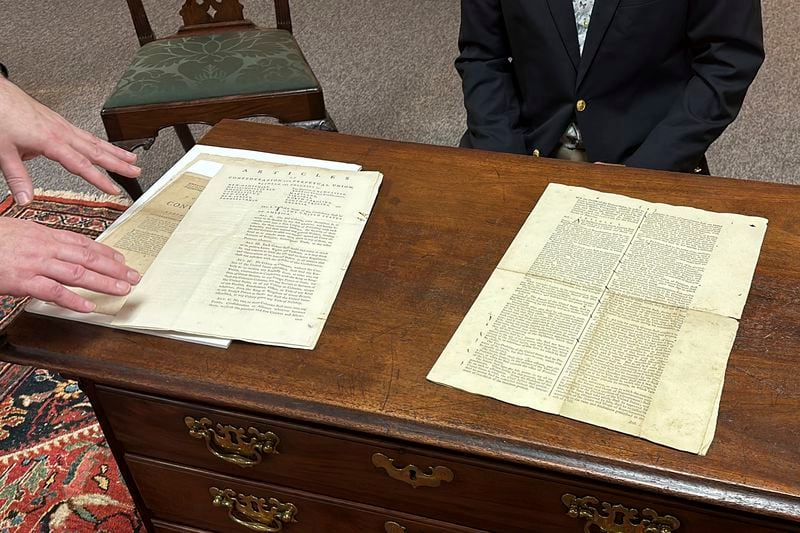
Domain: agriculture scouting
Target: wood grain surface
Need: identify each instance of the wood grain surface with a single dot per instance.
(442, 220)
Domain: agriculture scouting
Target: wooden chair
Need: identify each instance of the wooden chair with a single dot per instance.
(218, 65)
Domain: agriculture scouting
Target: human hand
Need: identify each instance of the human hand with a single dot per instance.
(39, 261)
(29, 129)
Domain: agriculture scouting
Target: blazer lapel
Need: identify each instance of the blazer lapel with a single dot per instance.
(564, 17)
(602, 13)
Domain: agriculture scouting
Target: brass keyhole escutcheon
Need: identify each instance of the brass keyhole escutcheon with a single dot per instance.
(412, 474)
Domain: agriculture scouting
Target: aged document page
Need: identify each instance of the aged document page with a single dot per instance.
(141, 237)
(260, 256)
(613, 311)
(150, 225)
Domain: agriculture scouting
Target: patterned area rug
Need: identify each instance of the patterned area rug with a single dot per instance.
(56, 471)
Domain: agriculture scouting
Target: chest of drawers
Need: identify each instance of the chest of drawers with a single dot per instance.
(223, 470)
(351, 437)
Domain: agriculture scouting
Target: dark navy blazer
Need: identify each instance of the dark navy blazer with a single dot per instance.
(659, 79)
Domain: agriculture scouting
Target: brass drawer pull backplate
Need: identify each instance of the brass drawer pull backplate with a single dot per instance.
(253, 512)
(617, 518)
(243, 447)
(412, 474)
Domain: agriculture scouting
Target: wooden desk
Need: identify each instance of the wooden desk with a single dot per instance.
(443, 218)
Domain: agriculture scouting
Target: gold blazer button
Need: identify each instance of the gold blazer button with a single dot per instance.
(580, 105)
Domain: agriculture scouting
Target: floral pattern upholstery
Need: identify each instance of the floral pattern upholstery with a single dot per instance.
(209, 66)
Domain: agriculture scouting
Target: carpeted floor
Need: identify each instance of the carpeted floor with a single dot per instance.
(386, 67)
(56, 472)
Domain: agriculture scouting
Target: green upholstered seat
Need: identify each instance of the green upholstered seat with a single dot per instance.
(211, 66)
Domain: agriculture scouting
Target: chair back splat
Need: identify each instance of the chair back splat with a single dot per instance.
(211, 15)
(217, 65)
(209, 11)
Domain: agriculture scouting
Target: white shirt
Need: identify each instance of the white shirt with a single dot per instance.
(583, 13)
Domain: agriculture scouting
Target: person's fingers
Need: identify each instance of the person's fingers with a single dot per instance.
(76, 275)
(96, 258)
(48, 290)
(100, 154)
(38, 130)
(76, 239)
(44, 262)
(116, 151)
(78, 164)
(19, 182)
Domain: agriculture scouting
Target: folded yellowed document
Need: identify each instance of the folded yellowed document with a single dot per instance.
(613, 311)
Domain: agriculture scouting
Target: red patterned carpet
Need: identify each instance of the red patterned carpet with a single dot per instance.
(56, 472)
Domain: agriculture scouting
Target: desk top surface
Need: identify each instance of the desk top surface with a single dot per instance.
(442, 221)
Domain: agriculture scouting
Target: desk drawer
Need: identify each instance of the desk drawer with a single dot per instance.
(338, 465)
(468, 492)
(203, 499)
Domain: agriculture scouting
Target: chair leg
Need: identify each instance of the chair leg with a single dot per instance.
(185, 136)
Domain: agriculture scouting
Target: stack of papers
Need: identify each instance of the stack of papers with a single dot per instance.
(235, 244)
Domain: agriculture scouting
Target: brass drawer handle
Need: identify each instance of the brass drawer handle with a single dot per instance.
(393, 527)
(412, 474)
(253, 512)
(617, 518)
(243, 447)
